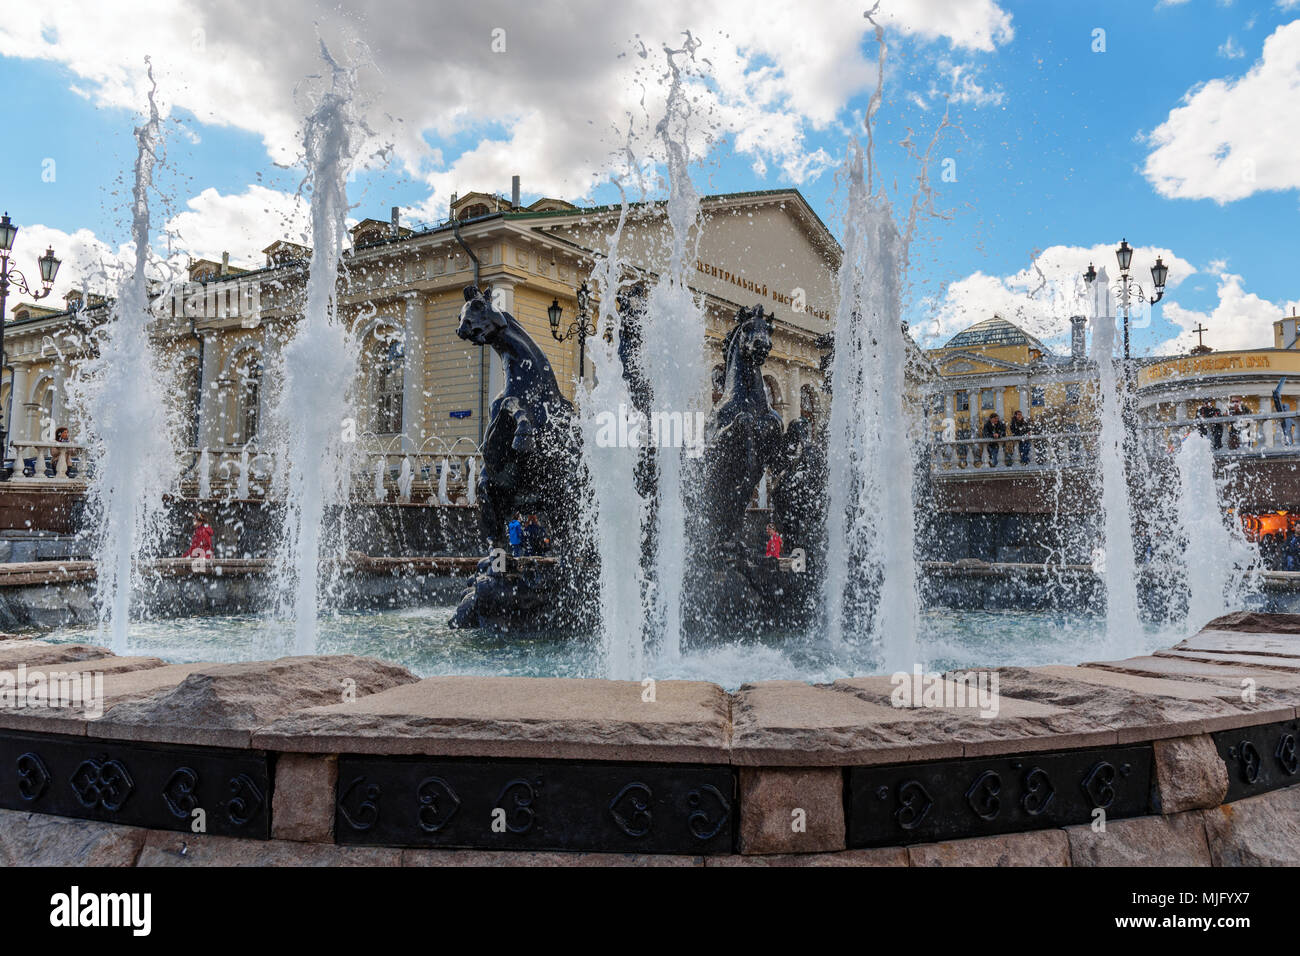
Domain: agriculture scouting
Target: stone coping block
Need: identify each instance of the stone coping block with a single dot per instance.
(530, 858)
(1222, 642)
(793, 724)
(220, 705)
(124, 678)
(533, 717)
(41, 653)
(1257, 622)
(1137, 710)
(882, 856)
(1260, 661)
(1174, 840)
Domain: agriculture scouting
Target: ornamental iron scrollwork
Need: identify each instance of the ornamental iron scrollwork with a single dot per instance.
(1248, 762)
(914, 802)
(1286, 754)
(438, 804)
(1039, 792)
(982, 797)
(523, 795)
(1099, 784)
(245, 801)
(33, 777)
(179, 793)
(701, 824)
(359, 804)
(631, 809)
(102, 783)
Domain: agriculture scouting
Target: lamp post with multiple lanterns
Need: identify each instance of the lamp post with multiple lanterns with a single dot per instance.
(1129, 288)
(583, 328)
(9, 276)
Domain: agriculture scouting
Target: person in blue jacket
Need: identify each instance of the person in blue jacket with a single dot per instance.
(515, 530)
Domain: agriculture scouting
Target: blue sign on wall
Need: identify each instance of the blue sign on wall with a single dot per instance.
(459, 413)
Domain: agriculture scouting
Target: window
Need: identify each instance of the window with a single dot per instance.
(719, 381)
(1037, 397)
(389, 386)
(250, 402)
(937, 402)
(1072, 394)
(988, 400)
(963, 401)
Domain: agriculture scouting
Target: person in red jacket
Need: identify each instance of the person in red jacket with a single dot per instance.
(773, 542)
(201, 542)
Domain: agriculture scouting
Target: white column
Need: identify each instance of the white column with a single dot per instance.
(413, 429)
(18, 404)
(210, 398)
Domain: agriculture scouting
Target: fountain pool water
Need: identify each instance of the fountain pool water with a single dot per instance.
(421, 640)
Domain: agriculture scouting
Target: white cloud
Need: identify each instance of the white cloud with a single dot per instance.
(1041, 298)
(1239, 320)
(1230, 49)
(547, 106)
(1226, 140)
(241, 224)
(87, 262)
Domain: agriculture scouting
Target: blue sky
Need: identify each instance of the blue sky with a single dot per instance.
(1052, 142)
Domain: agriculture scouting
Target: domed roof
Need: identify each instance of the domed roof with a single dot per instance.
(994, 331)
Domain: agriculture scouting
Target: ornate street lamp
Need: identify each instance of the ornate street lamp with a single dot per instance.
(582, 328)
(1129, 288)
(49, 268)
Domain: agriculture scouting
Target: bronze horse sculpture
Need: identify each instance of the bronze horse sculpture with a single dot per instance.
(531, 446)
(743, 434)
(532, 464)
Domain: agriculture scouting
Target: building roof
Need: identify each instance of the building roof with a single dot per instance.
(994, 331)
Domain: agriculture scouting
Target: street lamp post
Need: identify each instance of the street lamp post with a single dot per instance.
(9, 276)
(1129, 288)
(582, 328)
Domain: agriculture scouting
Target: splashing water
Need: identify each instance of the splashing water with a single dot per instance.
(130, 419)
(1214, 558)
(871, 558)
(320, 363)
(1120, 570)
(615, 514)
(674, 354)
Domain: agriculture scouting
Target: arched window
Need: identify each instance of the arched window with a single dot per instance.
(47, 414)
(250, 402)
(389, 384)
(773, 392)
(474, 211)
(719, 379)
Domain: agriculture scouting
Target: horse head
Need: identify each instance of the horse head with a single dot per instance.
(480, 320)
(751, 337)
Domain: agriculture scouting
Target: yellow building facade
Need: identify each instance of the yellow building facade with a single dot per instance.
(421, 390)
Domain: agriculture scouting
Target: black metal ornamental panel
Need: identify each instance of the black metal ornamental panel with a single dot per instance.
(523, 805)
(1260, 758)
(951, 799)
(145, 785)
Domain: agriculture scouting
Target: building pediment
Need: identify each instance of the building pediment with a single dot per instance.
(969, 363)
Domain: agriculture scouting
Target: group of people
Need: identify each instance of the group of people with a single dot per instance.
(997, 430)
(527, 536)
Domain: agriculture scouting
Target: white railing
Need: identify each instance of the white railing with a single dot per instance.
(1039, 451)
(48, 461)
(439, 472)
(1269, 434)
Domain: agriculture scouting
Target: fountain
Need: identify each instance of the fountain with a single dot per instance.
(313, 411)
